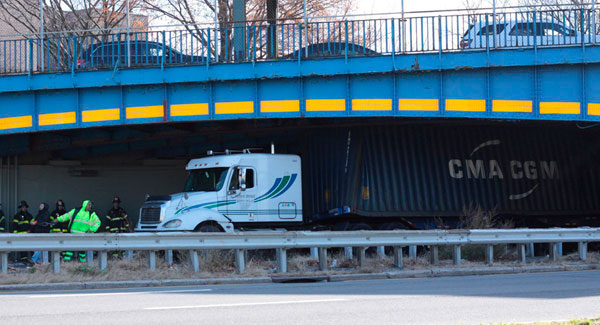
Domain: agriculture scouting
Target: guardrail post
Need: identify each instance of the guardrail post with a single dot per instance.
(489, 254)
(55, 262)
(434, 258)
(559, 249)
(194, 260)
(362, 256)
(4, 262)
(521, 253)
(314, 252)
(456, 254)
(103, 260)
(89, 257)
(169, 256)
(152, 260)
(240, 260)
(130, 255)
(381, 251)
(398, 257)
(554, 251)
(582, 248)
(323, 258)
(281, 260)
(530, 249)
(348, 252)
(412, 252)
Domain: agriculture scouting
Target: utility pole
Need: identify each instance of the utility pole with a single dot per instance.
(128, 37)
(272, 31)
(493, 17)
(305, 29)
(216, 31)
(403, 27)
(42, 31)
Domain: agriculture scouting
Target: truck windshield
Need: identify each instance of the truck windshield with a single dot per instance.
(206, 180)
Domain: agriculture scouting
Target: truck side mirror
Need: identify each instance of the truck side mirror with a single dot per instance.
(242, 178)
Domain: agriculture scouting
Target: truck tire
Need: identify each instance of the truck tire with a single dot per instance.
(393, 226)
(360, 226)
(208, 228)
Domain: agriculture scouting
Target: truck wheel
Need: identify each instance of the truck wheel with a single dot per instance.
(360, 226)
(393, 226)
(208, 228)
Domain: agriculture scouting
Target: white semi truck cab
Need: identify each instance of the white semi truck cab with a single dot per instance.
(229, 192)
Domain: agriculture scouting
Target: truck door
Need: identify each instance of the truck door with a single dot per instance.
(241, 194)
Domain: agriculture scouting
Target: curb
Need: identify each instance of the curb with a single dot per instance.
(429, 273)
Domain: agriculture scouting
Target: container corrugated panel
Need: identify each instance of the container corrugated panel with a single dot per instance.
(434, 170)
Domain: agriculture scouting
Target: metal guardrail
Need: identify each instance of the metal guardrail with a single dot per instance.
(282, 241)
(72, 51)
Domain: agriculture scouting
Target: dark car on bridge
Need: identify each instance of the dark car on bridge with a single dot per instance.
(331, 49)
(142, 53)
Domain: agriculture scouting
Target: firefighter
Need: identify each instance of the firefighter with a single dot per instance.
(81, 220)
(59, 211)
(22, 224)
(117, 221)
(2, 220)
(116, 217)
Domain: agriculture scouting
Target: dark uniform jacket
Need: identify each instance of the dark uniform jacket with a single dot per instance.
(22, 222)
(42, 221)
(2, 222)
(59, 226)
(116, 221)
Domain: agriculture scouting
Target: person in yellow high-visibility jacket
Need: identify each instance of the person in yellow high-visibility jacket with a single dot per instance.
(81, 220)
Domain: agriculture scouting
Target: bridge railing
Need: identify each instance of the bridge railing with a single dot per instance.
(72, 51)
(318, 241)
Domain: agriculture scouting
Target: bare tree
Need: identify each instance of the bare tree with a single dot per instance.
(91, 20)
(192, 13)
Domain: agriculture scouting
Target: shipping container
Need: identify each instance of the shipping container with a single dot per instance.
(422, 171)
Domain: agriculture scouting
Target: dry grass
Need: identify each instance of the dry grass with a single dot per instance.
(220, 264)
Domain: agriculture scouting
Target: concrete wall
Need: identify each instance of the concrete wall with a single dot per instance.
(44, 183)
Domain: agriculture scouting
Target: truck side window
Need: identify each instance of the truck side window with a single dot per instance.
(249, 178)
(235, 180)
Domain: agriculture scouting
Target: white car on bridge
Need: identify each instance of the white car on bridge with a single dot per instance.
(522, 33)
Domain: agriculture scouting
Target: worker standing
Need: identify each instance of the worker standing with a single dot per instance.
(81, 220)
(116, 217)
(22, 224)
(117, 221)
(2, 220)
(59, 211)
(41, 225)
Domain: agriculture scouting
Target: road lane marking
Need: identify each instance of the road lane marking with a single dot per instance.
(247, 304)
(114, 293)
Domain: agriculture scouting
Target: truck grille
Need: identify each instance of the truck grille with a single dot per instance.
(150, 215)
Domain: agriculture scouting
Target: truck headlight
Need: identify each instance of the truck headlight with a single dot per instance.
(172, 224)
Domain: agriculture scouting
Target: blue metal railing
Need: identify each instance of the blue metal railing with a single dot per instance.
(105, 49)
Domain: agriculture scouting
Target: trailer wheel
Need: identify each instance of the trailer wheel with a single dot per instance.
(393, 226)
(360, 226)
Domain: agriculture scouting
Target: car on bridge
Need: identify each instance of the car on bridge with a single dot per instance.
(330, 49)
(521, 33)
(110, 54)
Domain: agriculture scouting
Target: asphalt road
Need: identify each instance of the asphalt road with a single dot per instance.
(450, 300)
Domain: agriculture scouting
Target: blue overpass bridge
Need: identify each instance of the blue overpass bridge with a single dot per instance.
(433, 67)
